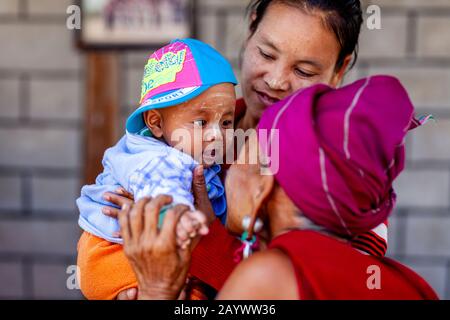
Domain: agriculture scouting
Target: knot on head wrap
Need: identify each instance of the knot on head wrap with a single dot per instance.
(341, 149)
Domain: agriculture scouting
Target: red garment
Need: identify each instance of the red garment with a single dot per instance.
(212, 260)
(327, 268)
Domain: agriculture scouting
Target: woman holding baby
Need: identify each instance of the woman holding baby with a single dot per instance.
(292, 44)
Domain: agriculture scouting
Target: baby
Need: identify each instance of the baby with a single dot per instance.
(187, 103)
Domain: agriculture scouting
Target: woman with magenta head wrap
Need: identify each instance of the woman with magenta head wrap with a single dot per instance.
(339, 153)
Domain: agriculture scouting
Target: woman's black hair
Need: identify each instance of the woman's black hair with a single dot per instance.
(343, 17)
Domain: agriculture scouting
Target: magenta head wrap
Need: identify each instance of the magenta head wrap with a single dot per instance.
(341, 149)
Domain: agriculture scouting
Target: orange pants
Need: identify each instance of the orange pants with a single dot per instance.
(104, 269)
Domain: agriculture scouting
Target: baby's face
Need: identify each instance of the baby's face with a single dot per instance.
(197, 127)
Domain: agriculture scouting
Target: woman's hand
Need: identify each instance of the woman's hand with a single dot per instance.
(128, 294)
(120, 198)
(159, 264)
(201, 200)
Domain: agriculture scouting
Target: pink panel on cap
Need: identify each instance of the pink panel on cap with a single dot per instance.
(169, 68)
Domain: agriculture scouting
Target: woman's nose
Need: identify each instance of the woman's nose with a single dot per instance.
(277, 80)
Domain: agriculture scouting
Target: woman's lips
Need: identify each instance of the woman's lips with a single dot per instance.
(266, 99)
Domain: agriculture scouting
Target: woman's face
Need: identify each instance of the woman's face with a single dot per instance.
(289, 50)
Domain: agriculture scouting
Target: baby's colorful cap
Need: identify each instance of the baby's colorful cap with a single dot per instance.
(176, 73)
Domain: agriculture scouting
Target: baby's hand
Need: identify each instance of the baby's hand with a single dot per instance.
(191, 225)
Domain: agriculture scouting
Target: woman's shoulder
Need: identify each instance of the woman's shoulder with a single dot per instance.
(265, 275)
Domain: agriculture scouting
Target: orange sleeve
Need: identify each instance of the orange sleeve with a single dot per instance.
(104, 271)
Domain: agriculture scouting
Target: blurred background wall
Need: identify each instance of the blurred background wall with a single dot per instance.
(42, 100)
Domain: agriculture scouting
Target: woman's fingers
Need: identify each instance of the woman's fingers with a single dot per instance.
(137, 216)
(118, 200)
(182, 234)
(117, 234)
(128, 294)
(124, 223)
(121, 191)
(160, 266)
(152, 211)
(201, 200)
(187, 224)
(183, 242)
(168, 229)
(111, 212)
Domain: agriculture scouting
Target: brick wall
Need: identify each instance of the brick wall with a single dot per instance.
(41, 104)
(414, 45)
(41, 107)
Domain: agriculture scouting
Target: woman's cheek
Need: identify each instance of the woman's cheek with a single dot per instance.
(255, 65)
(238, 205)
(249, 66)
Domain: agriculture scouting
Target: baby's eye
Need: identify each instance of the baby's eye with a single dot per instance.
(200, 123)
(227, 123)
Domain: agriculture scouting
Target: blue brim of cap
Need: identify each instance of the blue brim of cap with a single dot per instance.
(135, 121)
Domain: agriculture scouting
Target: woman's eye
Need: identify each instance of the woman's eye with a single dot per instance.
(199, 123)
(303, 74)
(265, 55)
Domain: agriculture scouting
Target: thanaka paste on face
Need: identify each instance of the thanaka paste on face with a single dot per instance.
(204, 144)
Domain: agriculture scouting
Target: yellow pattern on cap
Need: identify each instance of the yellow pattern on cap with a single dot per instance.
(163, 71)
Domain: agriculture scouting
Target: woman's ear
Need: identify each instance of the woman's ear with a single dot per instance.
(339, 75)
(153, 121)
(252, 17)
